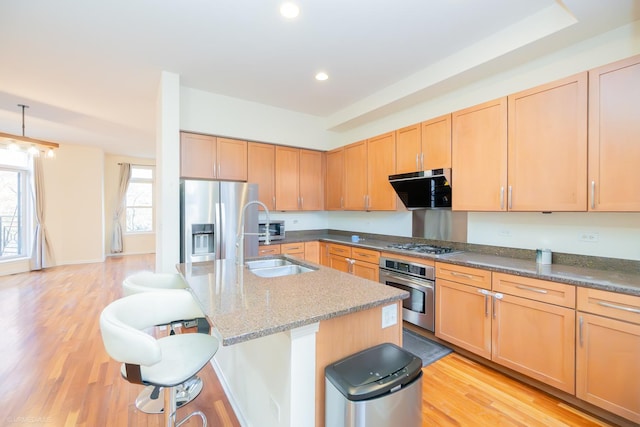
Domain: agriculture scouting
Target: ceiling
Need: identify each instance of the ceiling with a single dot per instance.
(89, 70)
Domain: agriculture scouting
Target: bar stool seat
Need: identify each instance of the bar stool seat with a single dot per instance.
(149, 400)
(165, 362)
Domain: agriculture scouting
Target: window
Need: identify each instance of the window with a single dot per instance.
(139, 204)
(15, 210)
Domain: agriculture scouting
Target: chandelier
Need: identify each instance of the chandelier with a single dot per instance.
(33, 146)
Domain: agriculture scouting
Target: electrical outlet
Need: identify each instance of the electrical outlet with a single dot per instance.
(589, 237)
(389, 315)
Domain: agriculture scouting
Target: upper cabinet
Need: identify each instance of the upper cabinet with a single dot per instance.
(479, 157)
(614, 137)
(367, 166)
(210, 157)
(335, 180)
(424, 146)
(261, 160)
(298, 179)
(547, 160)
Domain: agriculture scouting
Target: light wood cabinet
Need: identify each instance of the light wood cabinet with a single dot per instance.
(324, 254)
(608, 351)
(312, 251)
(293, 249)
(355, 176)
(424, 146)
(261, 170)
(264, 250)
(474, 312)
(547, 147)
(334, 199)
(381, 162)
(210, 157)
(298, 179)
(614, 135)
(354, 260)
(479, 157)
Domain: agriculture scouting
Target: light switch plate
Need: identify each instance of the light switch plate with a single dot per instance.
(389, 315)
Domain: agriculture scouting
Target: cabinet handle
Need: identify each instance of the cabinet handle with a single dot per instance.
(421, 161)
(273, 198)
(580, 323)
(341, 202)
(510, 198)
(417, 161)
(219, 170)
(214, 170)
(466, 276)
(301, 202)
(593, 194)
(619, 307)
(486, 301)
(501, 198)
(529, 288)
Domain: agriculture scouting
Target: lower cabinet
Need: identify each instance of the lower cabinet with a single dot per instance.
(357, 261)
(509, 320)
(608, 351)
(265, 250)
(293, 249)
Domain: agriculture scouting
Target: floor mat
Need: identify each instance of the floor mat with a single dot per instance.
(427, 350)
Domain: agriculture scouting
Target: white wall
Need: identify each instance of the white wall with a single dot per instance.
(74, 206)
(133, 243)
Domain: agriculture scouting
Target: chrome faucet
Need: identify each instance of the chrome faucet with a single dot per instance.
(241, 233)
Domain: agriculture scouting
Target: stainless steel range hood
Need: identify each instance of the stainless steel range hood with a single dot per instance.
(428, 189)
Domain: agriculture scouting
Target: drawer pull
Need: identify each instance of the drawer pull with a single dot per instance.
(466, 276)
(529, 288)
(619, 307)
(581, 323)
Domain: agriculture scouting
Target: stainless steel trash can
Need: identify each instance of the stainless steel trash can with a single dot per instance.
(377, 387)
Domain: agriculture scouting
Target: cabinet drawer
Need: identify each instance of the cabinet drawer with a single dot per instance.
(268, 250)
(292, 248)
(535, 289)
(340, 250)
(609, 304)
(465, 275)
(365, 255)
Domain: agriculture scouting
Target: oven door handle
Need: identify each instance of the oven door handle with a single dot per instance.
(425, 283)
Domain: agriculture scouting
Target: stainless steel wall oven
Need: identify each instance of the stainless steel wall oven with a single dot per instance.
(418, 280)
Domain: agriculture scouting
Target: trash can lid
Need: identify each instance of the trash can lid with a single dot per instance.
(374, 371)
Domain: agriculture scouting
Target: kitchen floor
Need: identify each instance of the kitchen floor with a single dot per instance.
(55, 371)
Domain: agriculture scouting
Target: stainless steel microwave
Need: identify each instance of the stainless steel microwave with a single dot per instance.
(276, 230)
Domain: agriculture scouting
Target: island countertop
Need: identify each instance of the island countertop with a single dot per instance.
(243, 306)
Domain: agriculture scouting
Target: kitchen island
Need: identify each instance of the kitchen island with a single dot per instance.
(279, 333)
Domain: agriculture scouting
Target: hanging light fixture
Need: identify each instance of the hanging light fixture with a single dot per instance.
(13, 141)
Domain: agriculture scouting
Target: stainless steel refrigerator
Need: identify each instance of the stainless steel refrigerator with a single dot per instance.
(210, 219)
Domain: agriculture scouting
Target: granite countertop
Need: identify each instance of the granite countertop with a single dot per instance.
(627, 282)
(243, 306)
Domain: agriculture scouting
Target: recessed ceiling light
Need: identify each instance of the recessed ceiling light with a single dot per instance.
(322, 76)
(289, 10)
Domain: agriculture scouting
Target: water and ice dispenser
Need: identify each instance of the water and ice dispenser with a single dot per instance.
(202, 239)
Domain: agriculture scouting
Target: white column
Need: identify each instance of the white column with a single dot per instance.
(167, 196)
(303, 376)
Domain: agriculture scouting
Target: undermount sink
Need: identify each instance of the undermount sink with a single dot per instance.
(276, 267)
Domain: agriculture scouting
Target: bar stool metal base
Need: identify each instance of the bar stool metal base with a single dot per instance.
(151, 403)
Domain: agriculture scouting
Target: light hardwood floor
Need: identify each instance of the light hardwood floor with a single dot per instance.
(54, 370)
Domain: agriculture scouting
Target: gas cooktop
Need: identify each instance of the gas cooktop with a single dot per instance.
(422, 248)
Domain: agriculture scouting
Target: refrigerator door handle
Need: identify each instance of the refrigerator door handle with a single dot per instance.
(220, 249)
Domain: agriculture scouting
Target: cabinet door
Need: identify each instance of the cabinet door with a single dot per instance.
(324, 254)
(535, 339)
(436, 143)
(366, 270)
(408, 151)
(548, 147)
(355, 176)
(381, 162)
(463, 316)
(311, 180)
(614, 135)
(287, 174)
(197, 156)
(312, 251)
(479, 157)
(262, 171)
(339, 262)
(232, 159)
(607, 368)
(334, 188)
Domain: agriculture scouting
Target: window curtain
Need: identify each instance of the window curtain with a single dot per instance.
(41, 254)
(116, 237)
